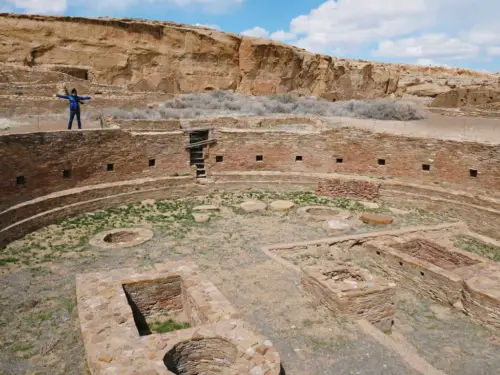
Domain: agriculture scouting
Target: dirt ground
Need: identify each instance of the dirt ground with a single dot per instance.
(39, 328)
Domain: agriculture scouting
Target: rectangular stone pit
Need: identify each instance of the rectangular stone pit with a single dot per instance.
(424, 266)
(156, 300)
(352, 293)
(117, 310)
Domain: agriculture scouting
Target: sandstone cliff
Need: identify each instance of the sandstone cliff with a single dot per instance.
(171, 58)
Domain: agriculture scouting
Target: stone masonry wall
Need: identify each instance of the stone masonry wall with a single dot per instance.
(413, 274)
(355, 151)
(356, 189)
(42, 157)
(156, 296)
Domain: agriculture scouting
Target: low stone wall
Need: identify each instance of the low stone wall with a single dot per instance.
(434, 271)
(416, 275)
(73, 196)
(44, 218)
(481, 296)
(480, 213)
(345, 188)
(351, 292)
(137, 125)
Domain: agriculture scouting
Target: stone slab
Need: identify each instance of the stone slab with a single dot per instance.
(208, 207)
(376, 219)
(281, 205)
(253, 206)
(201, 218)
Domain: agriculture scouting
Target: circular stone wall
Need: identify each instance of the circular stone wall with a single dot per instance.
(121, 237)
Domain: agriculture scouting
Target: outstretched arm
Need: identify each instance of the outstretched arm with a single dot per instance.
(62, 96)
(84, 98)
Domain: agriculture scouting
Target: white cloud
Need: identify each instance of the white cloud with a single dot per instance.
(493, 51)
(352, 22)
(430, 30)
(215, 27)
(283, 36)
(483, 36)
(427, 47)
(60, 6)
(39, 6)
(257, 32)
(209, 6)
(429, 62)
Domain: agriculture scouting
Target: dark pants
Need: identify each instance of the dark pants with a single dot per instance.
(72, 114)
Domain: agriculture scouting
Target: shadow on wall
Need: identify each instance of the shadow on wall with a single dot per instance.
(139, 319)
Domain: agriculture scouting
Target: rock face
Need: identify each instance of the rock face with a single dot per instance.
(467, 98)
(171, 58)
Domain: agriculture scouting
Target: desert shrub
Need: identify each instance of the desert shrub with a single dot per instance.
(232, 103)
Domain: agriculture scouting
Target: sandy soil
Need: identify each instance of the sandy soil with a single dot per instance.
(39, 328)
(483, 130)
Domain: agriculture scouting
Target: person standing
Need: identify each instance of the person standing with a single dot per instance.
(74, 107)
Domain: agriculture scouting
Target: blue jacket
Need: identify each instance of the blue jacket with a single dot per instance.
(73, 100)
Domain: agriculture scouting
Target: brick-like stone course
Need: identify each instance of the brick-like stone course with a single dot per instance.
(345, 188)
(42, 157)
(360, 150)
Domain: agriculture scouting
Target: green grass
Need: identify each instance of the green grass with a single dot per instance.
(44, 316)
(21, 348)
(473, 245)
(168, 326)
(5, 261)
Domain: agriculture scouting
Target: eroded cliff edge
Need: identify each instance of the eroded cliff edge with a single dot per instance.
(173, 58)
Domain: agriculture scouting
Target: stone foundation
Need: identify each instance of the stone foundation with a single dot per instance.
(115, 309)
(352, 293)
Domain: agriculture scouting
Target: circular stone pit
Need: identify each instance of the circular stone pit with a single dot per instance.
(203, 356)
(121, 237)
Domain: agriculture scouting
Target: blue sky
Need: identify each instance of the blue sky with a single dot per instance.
(459, 33)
